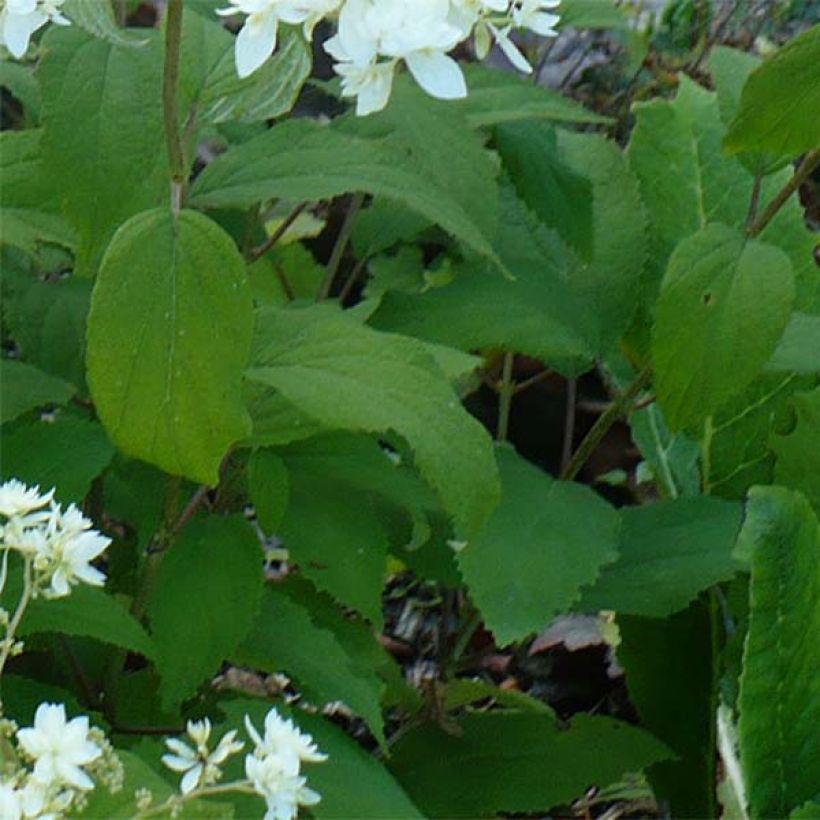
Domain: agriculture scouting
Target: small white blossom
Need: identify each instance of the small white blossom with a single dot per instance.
(11, 802)
(17, 499)
(19, 19)
(59, 747)
(285, 741)
(283, 790)
(198, 765)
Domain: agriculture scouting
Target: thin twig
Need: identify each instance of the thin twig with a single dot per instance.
(569, 423)
(341, 244)
(754, 201)
(260, 250)
(803, 172)
(505, 394)
(191, 507)
(532, 381)
(351, 280)
(170, 81)
(621, 405)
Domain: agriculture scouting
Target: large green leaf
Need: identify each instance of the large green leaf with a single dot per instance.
(91, 613)
(798, 453)
(204, 601)
(442, 173)
(507, 763)
(669, 552)
(799, 347)
(24, 387)
(544, 542)
(168, 335)
(66, 453)
(779, 699)
(284, 638)
(724, 303)
(352, 783)
(103, 143)
(780, 103)
(347, 376)
(669, 665)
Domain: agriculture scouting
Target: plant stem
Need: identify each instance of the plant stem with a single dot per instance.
(622, 404)
(569, 422)
(754, 202)
(170, 100)
(341, 243)
(505, 394)
(260, 250)
(803, 172)
(237, 787)
(14, 623)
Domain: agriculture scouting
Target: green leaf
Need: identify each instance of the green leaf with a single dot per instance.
(502, 96)
(593, 14)
(168, 334)
(669, 674)
(47, 321)
(208, 589)
(90, 613)
(779, 700)
(97, 18)
(544, 542)
(18, 79)
(347, 376)
(506, 763)
(103, 144)
(780, 104)
(66, 453)
(668, 553)
(352, 782)
(285, 638)
(301, 160)
(269, 488)
(798, 350)
(25, 387)
(724, 303)
(798, 453)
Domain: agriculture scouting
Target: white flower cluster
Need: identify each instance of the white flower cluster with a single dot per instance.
(375, 36)
(59, 545)
(61, 753)
(19, 19)
(272, 769)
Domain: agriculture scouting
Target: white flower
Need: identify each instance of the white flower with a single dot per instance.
(59, 747)
(283, 790)
(200, 767)
(533, 14)
(15, 497)
(283, 740)
(11, 802)
(256, 40)
(19, 19)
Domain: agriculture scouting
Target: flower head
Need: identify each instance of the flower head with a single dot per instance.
(19, 19)
(59, 747)
(283, 790)
(283, 740)
(18, 499)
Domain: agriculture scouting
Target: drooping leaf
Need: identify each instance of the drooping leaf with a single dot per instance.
(544, 542)
(24, 387)
(91, 613)
(103, 144)
(780, 104)
(168, 334)
(668, 553)
(303, 161)
(204, 601)
(347, 376)
(284, 638)
(66, 453)
(779, 701)
(669, 674)
(724, 303)
(505, 763)
(798, 453)
(97, 18)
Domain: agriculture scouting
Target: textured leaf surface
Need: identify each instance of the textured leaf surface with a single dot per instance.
(304, 161)
(668, 553)
(350, 377)
(353, 783)
(67, 453)
(103, 143)
(798, 453)
(168, 335)
(205, 600)
(25, 387)
(517, 762)
(91, 613)
(779, 700)
(723, 306)
(97, 18)
(780, 103)
(284, 638)
(544, 542)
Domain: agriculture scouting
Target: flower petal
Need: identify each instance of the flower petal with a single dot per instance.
(438, 74)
